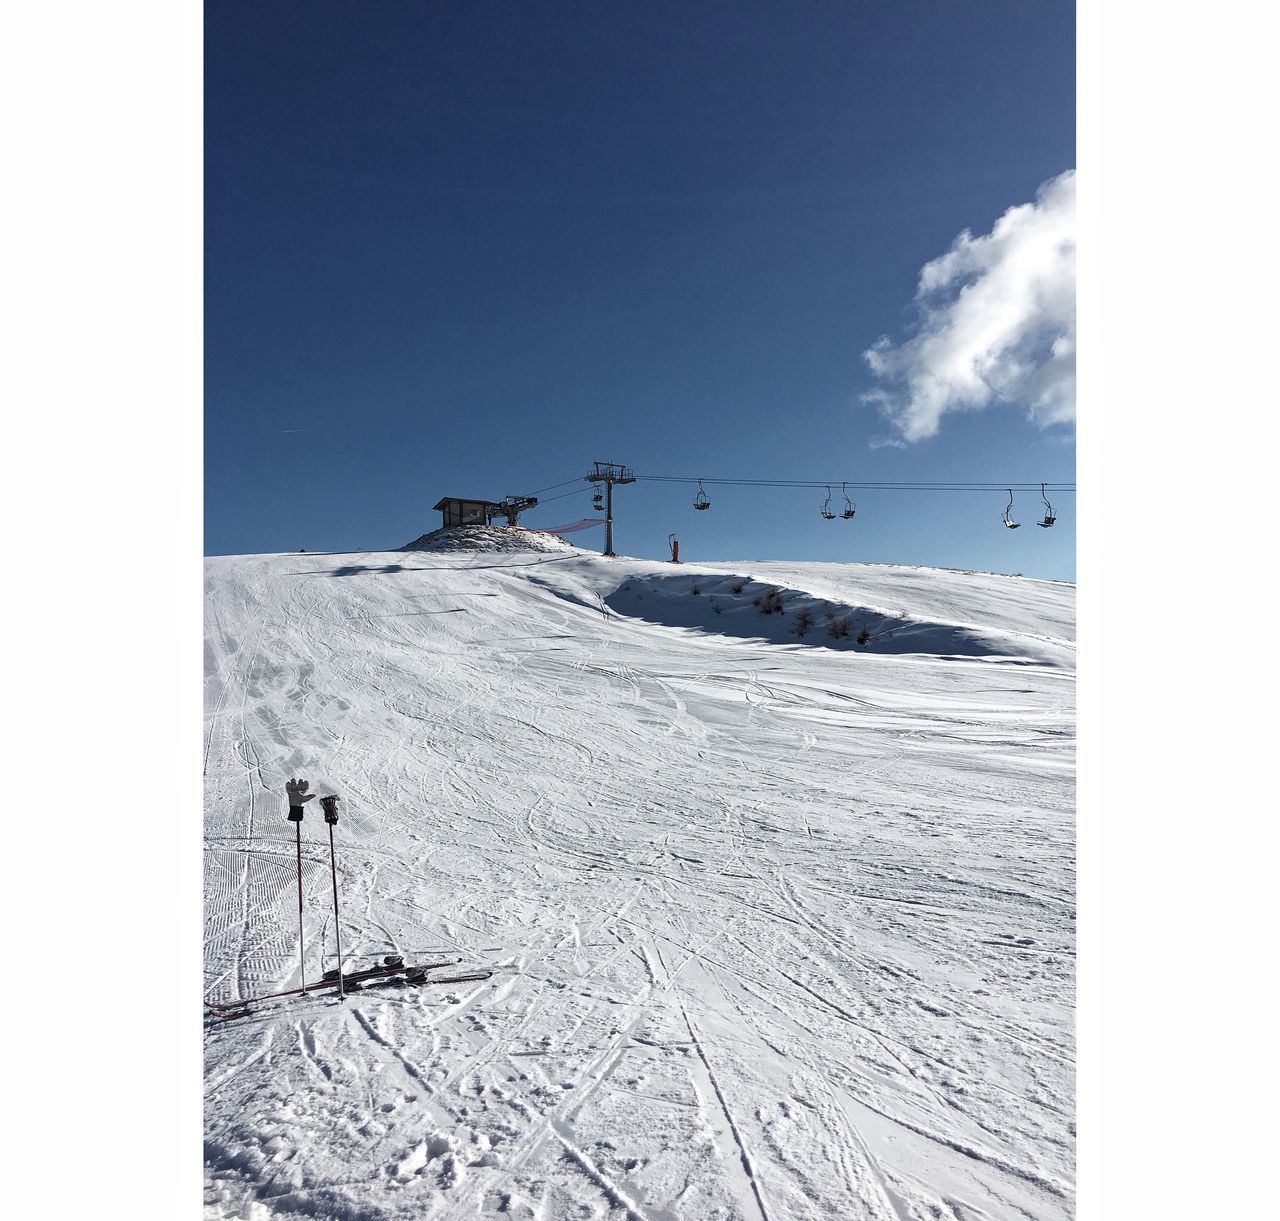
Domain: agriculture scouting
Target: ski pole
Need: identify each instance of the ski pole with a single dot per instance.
(298, 795)
(330, 806)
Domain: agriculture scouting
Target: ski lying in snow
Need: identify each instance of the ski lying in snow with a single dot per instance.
(350, 981)
(419, 976)
(392, 965)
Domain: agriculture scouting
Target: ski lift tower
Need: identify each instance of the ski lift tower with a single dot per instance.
(610, 473)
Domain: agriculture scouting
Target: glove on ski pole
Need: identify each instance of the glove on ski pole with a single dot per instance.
(298, 797)
(330, 807)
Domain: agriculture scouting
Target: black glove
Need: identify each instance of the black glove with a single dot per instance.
(330, 805)
(297, 790)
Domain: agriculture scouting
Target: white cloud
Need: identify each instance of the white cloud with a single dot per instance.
(997, 324)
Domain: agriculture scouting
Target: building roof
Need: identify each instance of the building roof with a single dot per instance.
(469, 500)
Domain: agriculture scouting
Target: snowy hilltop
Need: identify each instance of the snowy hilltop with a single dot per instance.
(490, 538)
(772, 865)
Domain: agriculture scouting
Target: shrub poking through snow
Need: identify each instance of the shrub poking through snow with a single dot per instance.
(716, 607)
(803, 621)
(738, 586)
(770, 602)
(864, 636)
(696, 591)
(838, 626)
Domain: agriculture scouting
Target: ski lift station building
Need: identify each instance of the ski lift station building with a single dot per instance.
(459, 512)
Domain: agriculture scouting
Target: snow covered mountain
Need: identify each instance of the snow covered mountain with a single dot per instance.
(773, 863)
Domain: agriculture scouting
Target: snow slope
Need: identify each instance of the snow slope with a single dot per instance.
(782, 925)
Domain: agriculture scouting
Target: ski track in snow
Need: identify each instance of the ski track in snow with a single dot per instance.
(780, 928)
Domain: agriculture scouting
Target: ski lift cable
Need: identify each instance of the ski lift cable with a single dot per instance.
(893, 484)
(552, 488)
(939, 484)
(549, 499)
(932, 485)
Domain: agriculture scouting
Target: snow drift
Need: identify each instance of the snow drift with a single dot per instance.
(844, 607)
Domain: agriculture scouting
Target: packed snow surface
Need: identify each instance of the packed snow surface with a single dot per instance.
(781, 923)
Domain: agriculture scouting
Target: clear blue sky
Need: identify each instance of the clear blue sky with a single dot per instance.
(469, 248)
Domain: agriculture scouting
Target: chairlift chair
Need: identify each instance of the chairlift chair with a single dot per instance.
(1049, 517)
(700, 501)
(826, 507)
(1008, 521)
(849, 509)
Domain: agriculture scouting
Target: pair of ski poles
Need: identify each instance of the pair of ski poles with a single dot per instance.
(330, 807)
